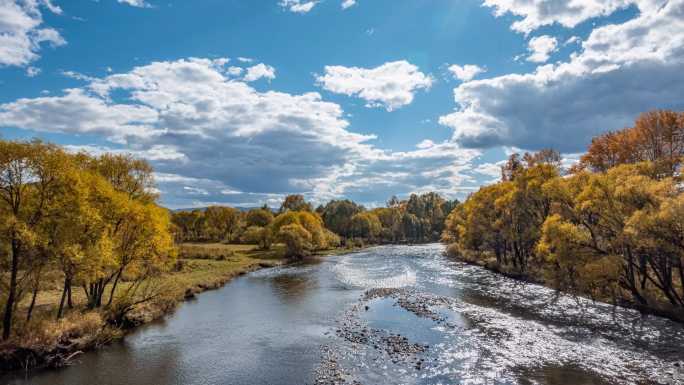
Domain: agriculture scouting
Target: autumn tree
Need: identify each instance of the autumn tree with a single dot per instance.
(32, 176)
(294, 202)
(191, 225)
(126, 173)
(302, 232)
(259, 217)
(221, 222)
(365, 225)
(259, 235)
(657, 136)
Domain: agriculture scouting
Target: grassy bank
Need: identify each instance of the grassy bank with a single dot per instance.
(48, 342)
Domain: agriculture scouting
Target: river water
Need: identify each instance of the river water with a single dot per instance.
(439, 322)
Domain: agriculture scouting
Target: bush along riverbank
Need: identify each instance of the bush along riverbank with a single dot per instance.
(46, 342)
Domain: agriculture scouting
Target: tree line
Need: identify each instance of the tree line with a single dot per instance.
(94, 219)
(612, 228)
(420, 218)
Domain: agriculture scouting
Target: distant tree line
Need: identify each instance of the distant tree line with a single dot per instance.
(93, 219)
(420, 218)
(613, 228)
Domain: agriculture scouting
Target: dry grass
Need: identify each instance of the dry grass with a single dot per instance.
(49, 333)
(217, 251)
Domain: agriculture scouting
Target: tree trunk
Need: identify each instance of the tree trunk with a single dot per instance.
(69, 302)
(111, 293)
(100, 292)
(33, 303)
(9, 306)
(61, 302)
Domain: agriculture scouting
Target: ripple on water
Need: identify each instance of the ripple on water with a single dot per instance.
(373, 275)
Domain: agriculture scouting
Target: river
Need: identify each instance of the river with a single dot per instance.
(439, 322)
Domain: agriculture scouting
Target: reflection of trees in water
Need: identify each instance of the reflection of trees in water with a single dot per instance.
(293, 288)
(119, 363)
(161, 367)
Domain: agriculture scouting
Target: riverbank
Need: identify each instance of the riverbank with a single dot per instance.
(492, 265)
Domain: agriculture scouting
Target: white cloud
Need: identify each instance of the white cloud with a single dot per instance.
(77, 75)
(440, 167)
(78, 112)
(622, 70)
(572, 39)
(195, 190)
(492, 170)
(22, 33)
(541, 48)
(466, 72)
(259, 71)
(348, 3)
(53, 8)
(153, 153)
(298, 6)
(32, 71)
(538, 13)
(135, 3)
(235, 71)
(391, 85)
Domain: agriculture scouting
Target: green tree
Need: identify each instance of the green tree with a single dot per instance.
(337, 215)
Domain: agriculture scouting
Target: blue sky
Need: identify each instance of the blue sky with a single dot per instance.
(240, 102)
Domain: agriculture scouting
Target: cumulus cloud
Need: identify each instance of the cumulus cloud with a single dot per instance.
(572, 40)
(441, 167)
(298, 6)
(490, 170)
(622, 69)
(78, 112)
(348, 3)
(466, 72)
(32, 71)
(22, 33)
(538, 13)
(153, 153)
(391, 85)
(260, 71)
(541, 48)
(427, 143)
(135, 3)
(305, 6)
